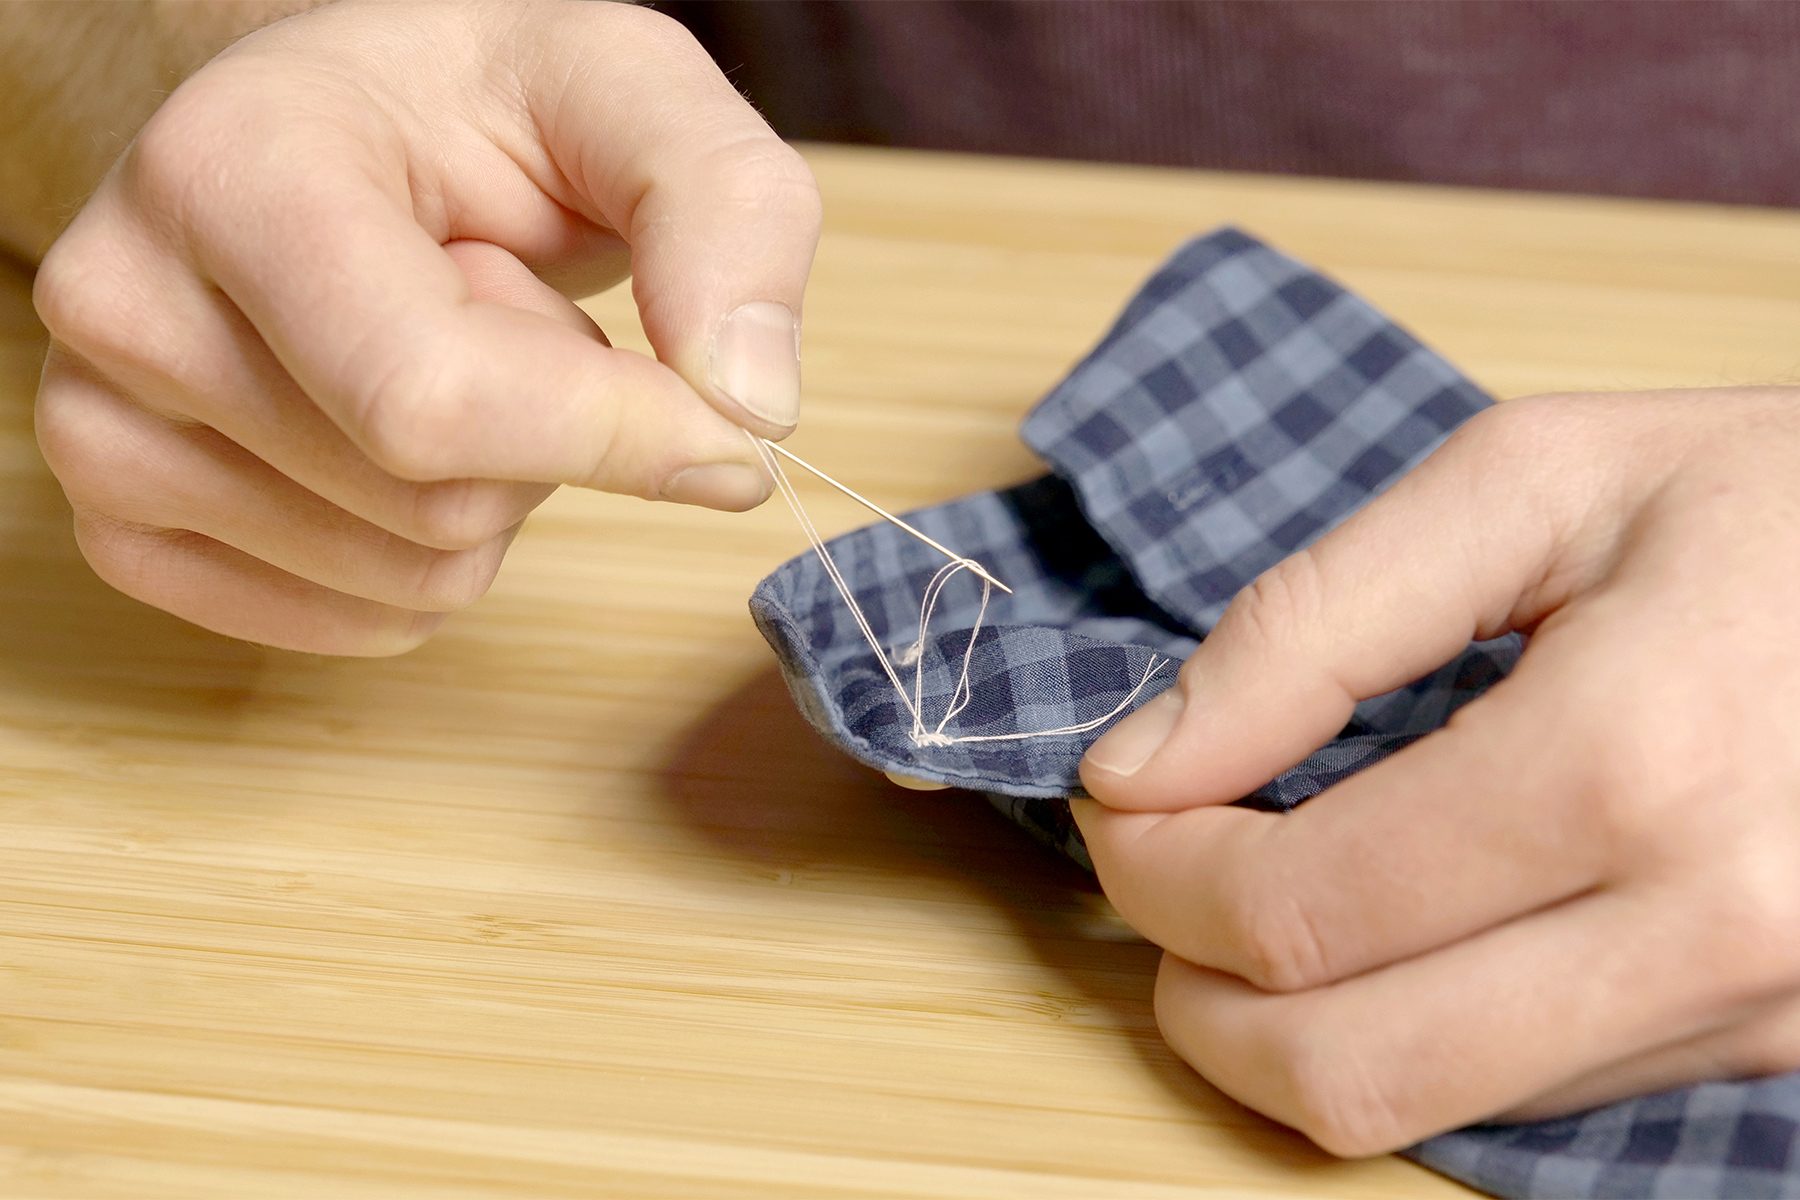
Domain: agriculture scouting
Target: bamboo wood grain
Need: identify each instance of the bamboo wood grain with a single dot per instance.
(569, 903)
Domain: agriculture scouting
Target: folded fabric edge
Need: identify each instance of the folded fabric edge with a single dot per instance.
(807, 683)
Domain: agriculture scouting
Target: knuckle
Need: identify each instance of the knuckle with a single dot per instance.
(65, 426)
(89, 293)
(377, 639)
(1170, 1006)
(404, 633)
(62, 290)
(406, 420)
(79, 439)
(1293, 1063)
(1337, 1097)
(1280, 944)
(367, 630)
(128, 559)
(165, 162)
(1278, 601)
(77, 293)
(452, 580)
(1747, 920)
(461, 514)
(194, 147)
(1620, 806)
(1647, 783)
(222, 156)
(763, 173)
(374, 632)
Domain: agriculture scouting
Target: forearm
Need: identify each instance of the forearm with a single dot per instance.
(81, 78)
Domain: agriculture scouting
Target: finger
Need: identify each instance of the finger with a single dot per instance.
(496, 276)
(722, 217)
(224, 590)
(375, 322)
(571, 255)
(119, 462)
(1382, 1060)
(1453, 835)
(913, 783)
(1766, 1042)
(1395, 591)
(193, 357)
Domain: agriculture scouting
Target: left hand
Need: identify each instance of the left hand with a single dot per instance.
(1587, 885)
(308, 372)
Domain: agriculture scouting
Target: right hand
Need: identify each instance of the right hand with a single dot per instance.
(312, 361)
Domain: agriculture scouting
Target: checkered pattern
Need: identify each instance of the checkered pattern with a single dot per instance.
(1737, 1140)
(1068, 645)
(1240, 407)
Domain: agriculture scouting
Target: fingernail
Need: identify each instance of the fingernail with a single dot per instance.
(733, 487)
(756, 361)
(1131, 743)
(913, 783)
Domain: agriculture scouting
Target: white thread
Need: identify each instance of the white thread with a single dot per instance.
(913, 653)
(765, 445)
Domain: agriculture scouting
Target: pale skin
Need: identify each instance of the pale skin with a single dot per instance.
(310, 367)
(289, 325)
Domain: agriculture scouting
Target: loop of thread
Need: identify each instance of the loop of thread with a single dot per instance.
(913, 654)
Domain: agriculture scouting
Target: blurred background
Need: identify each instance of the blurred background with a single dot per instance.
(1674, 99)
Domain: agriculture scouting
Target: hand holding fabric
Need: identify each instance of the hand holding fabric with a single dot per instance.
(1584, 886)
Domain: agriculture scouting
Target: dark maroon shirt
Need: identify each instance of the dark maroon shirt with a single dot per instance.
(1697, 99)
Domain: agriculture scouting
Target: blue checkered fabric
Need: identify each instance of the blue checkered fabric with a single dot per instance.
(1240, 407)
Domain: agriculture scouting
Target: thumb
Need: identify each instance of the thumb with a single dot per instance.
(1449, 554)
(721, 216)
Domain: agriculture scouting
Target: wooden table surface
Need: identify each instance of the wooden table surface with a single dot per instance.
(570, 903)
